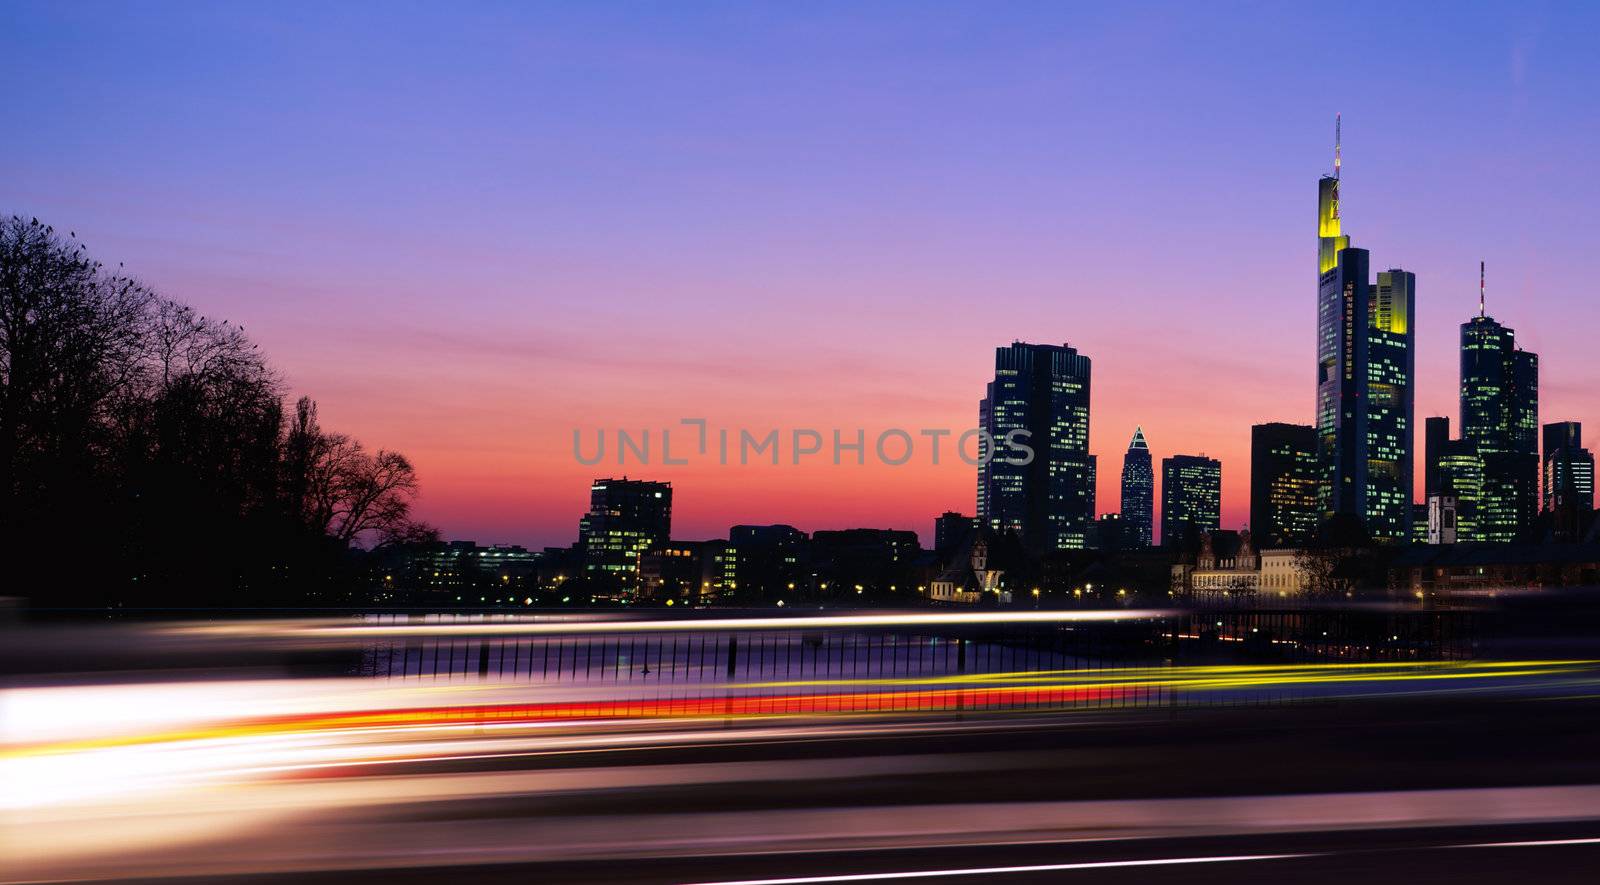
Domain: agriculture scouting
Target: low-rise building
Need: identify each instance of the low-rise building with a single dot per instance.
(972, 579)
(1228, 565)
(1440, 574)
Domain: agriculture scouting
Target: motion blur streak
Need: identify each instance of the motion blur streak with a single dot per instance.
(1534, 843)
(994, 871)
(1229, 676)
(785, 755)
(547, 626)
(100, 718)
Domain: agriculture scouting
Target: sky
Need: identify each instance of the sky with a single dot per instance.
(469, 231)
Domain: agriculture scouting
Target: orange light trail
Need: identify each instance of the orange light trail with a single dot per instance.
(938, 700)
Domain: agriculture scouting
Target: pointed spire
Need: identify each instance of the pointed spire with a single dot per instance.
(1480, 290)
(1138, 439)
(1338, 136)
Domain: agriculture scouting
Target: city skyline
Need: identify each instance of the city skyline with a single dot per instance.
(866, 287)
(769, 444)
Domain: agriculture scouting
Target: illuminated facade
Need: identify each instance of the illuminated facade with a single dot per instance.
(1341, 374)
(974, 580)
(763, 562)
(1442, 520)
(1284, 483)
(757, 563)
(673, 570)
(1138, 493)
(1391, 370)
(1500, 414)
(1330, 234)
(626, 518)
(1366, 368)
(1230, 565)
(1568, 479)
(463, 567)
(1436, 435)
(1568, 466)
(1461, 479)
(1191, 497)
(1039, 398)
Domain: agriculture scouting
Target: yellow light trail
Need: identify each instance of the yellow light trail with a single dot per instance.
(1244, 674)
(971, 692)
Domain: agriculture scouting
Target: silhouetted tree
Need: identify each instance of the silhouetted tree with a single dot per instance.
(341, 491)
(200, 434)
(69, 343)
(144, 457)
(1339, 561)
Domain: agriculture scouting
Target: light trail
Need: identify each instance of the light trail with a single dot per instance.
(323, 629)
(1241, 674)
(1534, 843)
(477, 704)
(223, 820)
(585, 711)
(1111, 864)
(998, 871)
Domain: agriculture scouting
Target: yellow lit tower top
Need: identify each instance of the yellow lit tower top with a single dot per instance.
(1330, 242)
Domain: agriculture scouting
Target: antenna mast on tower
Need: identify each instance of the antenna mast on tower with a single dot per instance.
(1480, 290)
(1337, 137)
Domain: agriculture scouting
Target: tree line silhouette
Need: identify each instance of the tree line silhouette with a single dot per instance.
(147, 457)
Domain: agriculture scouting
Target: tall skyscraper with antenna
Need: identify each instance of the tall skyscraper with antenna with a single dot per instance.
(1366, 368)
(1500, 416)
(1330, 236)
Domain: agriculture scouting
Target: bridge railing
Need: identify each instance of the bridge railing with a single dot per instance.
(915, 662)
(756, 662)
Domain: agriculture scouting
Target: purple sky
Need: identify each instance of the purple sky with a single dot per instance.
(468, 233)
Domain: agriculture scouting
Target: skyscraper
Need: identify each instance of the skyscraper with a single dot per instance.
(1284, 480)
(1138, 493)
(626, 517)
(1391, 368)
(1341, 375)
(1365, 377)
(1568, 466)
(1500, 415)
(1191, 497)
(1568, 480)
(1436, 435)
(1039, 398)
(1460, 469)
(1330, 235)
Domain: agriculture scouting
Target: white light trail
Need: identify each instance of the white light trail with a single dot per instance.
(996, 871)
(326, 629)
